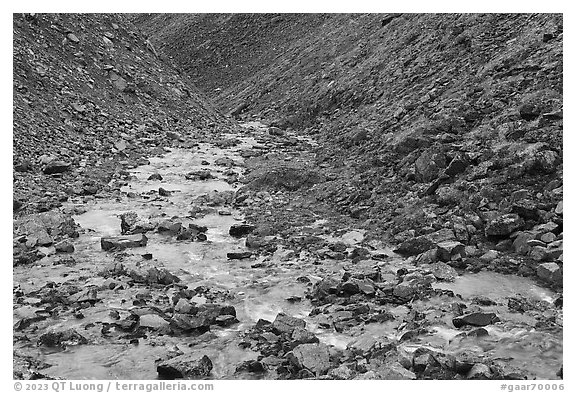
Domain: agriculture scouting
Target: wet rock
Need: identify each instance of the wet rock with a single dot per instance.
(201, 174)
(240, 230)
(239, 255)
(287, 324)
(415, 246)
(504, 225)
(153, 275)
(550, 272)
(130, 224)
(312, 357)
(62, 338)
(478, 319)
(123, 242)
(64, 246)
(185, 366)
(56, 166)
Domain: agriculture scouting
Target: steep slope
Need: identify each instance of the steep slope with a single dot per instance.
(90, 98)
(219, 50)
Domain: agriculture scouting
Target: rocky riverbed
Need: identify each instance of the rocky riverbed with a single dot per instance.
(212, 259)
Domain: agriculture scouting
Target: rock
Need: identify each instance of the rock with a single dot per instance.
(442, 271)
(153, 321)
(539, 253)
(240, 230)
(456, 166)
(123, 242)
(163, 192)
(479, 371)
(504, 225)
(153, 276)
(64, 246)
(559, 208)
(239, 255)
(429, 164)
(313, 357)
(251, 366)
(449, 249)
(303, 336)
(550, 272)
(414, 246)
(489, 255)
(341, 372)
(190, 323)
(521, 245)
(72, 38)
(155, 176)
(287, 324)
(185, 307)
(394, 371)
(478, 319)
(62, 338)
(56, 167)
(185, 366)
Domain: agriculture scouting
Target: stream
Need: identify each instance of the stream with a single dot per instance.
(256, 292)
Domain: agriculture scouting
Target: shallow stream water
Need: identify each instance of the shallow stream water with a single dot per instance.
(254, 292)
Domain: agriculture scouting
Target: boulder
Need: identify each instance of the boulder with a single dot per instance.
(240, 230)
(430, 163)
(414, 246)
(65, 246)
(448, 249)
(550, 272)
(287, 324)
(504, 225)
(185, 366)
(239, 255)
(56, 167)
(313, 357)
(123, 242)
(478, 319)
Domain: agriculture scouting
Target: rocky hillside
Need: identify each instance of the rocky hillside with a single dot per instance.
(424, 121)
(90, 98)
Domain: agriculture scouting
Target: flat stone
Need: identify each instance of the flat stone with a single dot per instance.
(239, 255)
(153, 321)
(478, 319)
(123, 242)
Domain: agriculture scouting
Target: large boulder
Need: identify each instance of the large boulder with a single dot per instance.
(185, 366)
